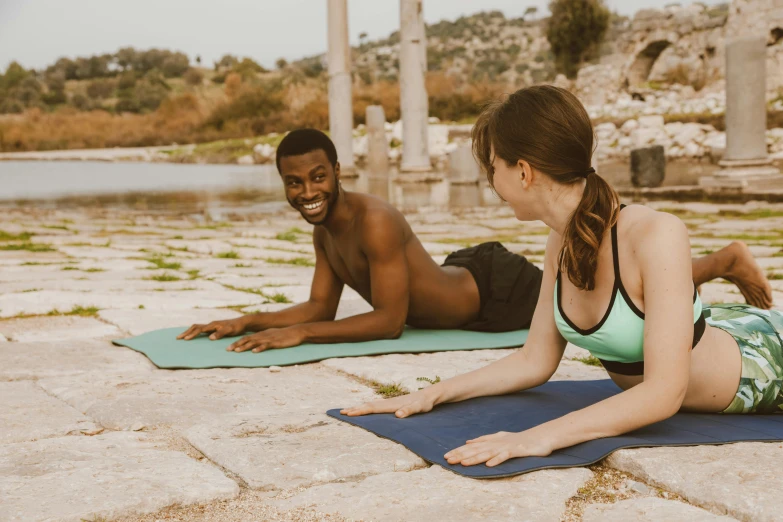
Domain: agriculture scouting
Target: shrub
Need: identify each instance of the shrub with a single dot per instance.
(100, 89)
(575, 29)
(194, 77)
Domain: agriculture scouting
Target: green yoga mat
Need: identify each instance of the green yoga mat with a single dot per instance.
(165, 351)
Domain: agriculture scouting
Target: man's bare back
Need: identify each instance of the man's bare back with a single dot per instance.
(439, 297)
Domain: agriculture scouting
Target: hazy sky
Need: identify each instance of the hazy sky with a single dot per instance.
(37, 32)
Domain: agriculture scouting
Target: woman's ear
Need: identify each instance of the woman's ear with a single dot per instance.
(525, 173)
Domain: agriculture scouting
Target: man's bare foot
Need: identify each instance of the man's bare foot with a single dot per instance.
(744, 272)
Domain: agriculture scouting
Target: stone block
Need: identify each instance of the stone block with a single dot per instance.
(102, 477)
(285, 452)
(742, 480)
(436, 494)
(649, 510)
(181, 399)
(29, 414)
(73, 357)
(648, 166)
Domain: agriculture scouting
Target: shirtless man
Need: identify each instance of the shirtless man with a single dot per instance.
(366, 243)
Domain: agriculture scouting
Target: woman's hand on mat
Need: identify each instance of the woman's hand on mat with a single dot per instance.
(499, 447)
(269, 339)
(216, 329)
(402, 406)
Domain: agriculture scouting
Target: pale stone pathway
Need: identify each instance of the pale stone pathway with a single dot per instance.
(91, 431)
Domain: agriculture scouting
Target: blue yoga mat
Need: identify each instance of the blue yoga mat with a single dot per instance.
(165, 351)
(448, 426)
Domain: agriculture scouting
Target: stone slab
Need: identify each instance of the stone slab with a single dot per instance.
(285, 452)
(406, 369)
(58, 328)
(181, 399)
(436, 494)
(72, 357)
(137, 322)
(649, 510)
(29, 413)
(71, 479)
(47, 300)
(742, 480)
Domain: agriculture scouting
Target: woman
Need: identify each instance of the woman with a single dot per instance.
(617, 281)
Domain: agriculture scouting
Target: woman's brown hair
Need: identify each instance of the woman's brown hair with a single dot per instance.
(550, 129)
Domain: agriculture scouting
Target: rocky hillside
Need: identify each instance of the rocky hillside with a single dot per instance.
(482, 47)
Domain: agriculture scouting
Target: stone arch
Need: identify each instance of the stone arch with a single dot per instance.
(775, 35)
(643, 64)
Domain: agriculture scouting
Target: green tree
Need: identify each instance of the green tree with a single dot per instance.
(281, 63)
(575, 30)
(175, 65)
(248, 68)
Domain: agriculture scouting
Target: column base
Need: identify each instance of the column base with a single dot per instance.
(420, 189)
(464, 193)
(742, 175)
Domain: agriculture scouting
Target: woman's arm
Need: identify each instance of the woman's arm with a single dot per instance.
(662, 247)
(526, 368)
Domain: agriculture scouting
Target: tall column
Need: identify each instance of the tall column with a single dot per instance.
(745, 163)
(340, 102)
(413, 92)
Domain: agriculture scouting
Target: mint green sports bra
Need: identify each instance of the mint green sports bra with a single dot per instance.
(618, 339)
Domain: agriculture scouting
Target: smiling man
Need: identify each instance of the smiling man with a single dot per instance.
(366, 243)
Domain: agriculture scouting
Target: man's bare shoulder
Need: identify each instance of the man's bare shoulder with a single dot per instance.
(378, 222)
(373, 213)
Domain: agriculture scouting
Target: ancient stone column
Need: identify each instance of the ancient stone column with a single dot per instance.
(745, 163)
(340, 103)
(464, 175)
(377, 146)
(413, 92)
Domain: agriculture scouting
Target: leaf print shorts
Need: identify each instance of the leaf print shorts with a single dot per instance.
(757, 334)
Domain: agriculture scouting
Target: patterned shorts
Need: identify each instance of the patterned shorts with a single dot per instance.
(757, 333)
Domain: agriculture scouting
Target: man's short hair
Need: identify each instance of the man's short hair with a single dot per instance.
(302, 141)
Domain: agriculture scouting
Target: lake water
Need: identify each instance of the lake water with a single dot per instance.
(61, 179)
(178, 186)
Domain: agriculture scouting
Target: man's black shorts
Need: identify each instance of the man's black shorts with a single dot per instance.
(508, 286)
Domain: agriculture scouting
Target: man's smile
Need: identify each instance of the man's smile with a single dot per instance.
(311, 209)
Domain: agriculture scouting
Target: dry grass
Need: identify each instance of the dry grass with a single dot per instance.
(237, 110)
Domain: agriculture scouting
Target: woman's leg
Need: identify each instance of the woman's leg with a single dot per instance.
(761, 383)
(736, 264)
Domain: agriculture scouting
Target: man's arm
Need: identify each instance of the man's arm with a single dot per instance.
(382, 240)
(325, 295)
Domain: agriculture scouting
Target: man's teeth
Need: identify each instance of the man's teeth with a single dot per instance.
(313, 206)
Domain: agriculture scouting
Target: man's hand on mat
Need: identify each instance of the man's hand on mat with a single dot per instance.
(499, 447)
(269, 339)
(402, 406)
(217, 329)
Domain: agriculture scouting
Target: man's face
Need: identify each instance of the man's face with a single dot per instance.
(311, 184)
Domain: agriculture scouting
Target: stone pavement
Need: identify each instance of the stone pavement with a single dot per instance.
(92, 431)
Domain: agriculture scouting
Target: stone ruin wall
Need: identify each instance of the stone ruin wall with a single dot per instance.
(685, 43)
